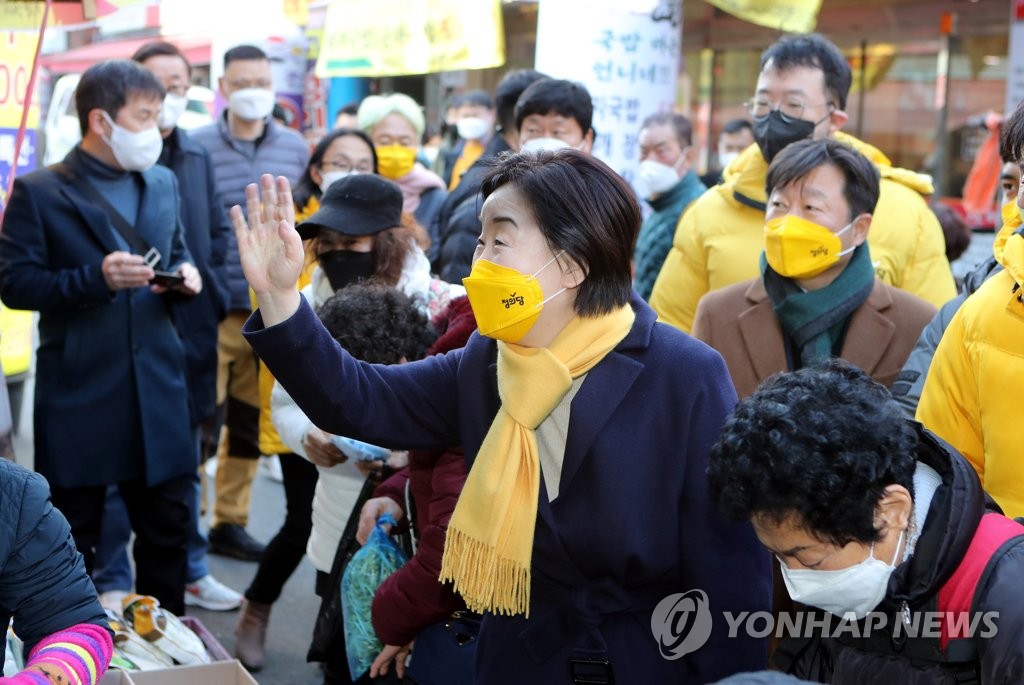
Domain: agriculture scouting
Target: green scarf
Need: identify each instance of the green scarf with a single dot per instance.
(814, 320)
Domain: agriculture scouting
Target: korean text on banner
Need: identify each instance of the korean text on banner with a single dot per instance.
(627, 56)
(19, 49)
(397, 37)
(795, 16)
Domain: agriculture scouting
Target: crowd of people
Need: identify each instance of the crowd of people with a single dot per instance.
(763, 385)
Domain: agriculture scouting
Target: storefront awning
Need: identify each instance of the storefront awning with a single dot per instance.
(195, 49)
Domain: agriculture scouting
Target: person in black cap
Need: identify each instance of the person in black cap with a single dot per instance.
(359, 233)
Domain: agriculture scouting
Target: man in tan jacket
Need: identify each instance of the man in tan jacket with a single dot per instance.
(818, 295)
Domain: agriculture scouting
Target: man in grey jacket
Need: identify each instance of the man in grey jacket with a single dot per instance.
(244, 143)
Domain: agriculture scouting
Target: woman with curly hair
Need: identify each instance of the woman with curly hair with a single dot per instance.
(875, 521)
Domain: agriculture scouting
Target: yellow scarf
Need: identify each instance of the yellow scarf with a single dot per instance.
(489, 545)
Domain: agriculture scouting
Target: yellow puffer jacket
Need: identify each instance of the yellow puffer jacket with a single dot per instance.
(269, 441)
(720, 236)
(970, 398)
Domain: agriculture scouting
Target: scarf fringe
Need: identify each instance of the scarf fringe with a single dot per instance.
(485, 581)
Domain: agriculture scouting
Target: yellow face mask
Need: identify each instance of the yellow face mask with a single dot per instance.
(798, 248)
(395, 161)
(505, 302)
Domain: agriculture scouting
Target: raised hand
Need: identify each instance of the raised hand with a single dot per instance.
(269, 248)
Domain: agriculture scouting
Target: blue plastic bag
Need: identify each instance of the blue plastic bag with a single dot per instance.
(359, 450)
(369, 567)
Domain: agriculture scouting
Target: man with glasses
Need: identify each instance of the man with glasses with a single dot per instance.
(801, 93)
(243, 143)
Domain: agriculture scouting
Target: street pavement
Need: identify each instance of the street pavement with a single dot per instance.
(291, 621)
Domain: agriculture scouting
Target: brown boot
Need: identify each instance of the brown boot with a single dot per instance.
(251, 634)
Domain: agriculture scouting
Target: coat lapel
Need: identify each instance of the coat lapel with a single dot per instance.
(870, 331)
(603, 390)
(762, 336)
(95, 218)
(148, 223)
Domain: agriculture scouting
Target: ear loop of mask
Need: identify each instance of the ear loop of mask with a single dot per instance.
(842, 231)
(546, 265)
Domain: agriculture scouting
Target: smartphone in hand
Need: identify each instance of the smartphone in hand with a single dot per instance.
(167, 279)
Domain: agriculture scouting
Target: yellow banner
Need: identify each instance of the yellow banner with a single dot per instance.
(397, 37)
(297, 11)
(792, 16)
(19, 49)
(879, 58)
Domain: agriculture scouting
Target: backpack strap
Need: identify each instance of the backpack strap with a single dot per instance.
(957, 595)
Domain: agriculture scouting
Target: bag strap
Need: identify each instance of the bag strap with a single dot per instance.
(121, 225)
(957, 594)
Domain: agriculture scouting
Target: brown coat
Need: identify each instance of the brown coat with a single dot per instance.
(741, 324)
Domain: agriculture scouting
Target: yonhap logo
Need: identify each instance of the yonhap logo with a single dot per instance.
(681, 623)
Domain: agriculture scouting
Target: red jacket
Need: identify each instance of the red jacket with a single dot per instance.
(412, 598)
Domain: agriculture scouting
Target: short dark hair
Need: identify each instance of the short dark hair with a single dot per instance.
(797, 160)
(351, 108)
(954, 230)
(736, 125)
(680, 124)
(160, 48)
(507, 93)
(820, 443)
(817, 52)
(480, 98)
(305, 188)
(1011, 138)
(243, 52)
(110, 84)
(594, 217)
(377, 323)
(565, 98)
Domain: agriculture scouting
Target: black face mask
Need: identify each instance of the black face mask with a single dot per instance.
(345, 267)
(773, 132)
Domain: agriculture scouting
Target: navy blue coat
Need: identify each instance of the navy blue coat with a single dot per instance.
(632, 522)
(43, 583)
(206, 234)
(110, 396)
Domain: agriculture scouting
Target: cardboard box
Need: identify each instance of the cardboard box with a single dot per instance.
(218, 673)
(115, 677)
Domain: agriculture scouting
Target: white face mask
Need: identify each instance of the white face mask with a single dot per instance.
(539, 144)
(472, 128)
(174, 107)
(657, 177)
(326, 179)
(857, 589)
(134, 150)
(726, 158)
(252, 104)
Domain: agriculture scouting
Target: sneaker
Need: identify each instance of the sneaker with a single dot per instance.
(271, 466)
(210, 593)
(232, 540)
(111, 599)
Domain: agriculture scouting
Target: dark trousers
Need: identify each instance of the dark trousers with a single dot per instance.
(159, 515)
(285, 551)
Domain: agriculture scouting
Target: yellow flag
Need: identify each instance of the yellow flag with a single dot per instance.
(792, 16)
(420, 37)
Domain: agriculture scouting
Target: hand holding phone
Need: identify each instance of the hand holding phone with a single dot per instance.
(167, 279)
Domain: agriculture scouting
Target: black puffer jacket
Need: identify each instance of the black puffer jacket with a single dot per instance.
(956, 509)
(43, 583)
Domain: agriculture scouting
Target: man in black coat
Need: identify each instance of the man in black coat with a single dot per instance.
(79, 244)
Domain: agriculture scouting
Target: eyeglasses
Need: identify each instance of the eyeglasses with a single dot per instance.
(346, 166)
(790, 109)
